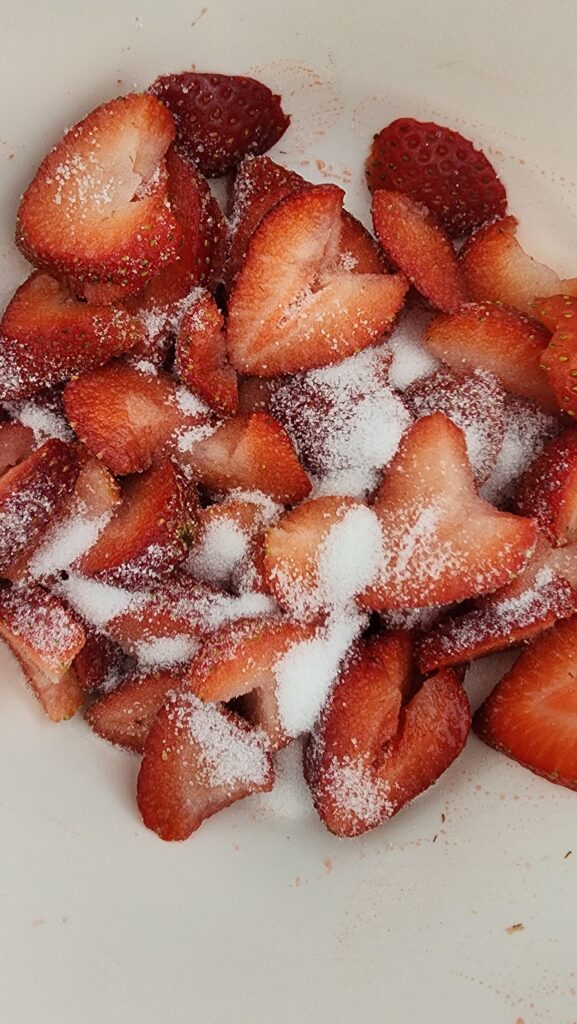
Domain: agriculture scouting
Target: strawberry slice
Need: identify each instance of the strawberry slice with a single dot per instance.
(370, 754)
(496, 269)
(543, 593)
(291, 307)
(359, 253)
(229, 547)
(221, 118)
(548, 490)
(440, 168)
(441, 541)
(555, 311)
(96, 489)
(48, 336)
(530, 714)
(198, 759)
(149, 534)
(45, 637)
(31, 495)
(200, 356)
(101, 665)
(240, 661)
(96, 209)
(126, 415)
(253, 453)
(475, 402)
(503, 341)
(102, 293)
(124, 717)
(16, 444)
(559, 360)
(418, 246)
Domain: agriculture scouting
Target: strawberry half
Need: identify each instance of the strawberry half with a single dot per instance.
(200, 356)
(441, 541)
(16, 444)
(45, 637)
(97, 208)
(253, 453)
(101, 665)
(559, 360)
(124, 717)
(31, 495)
(221, 118)
(500, 340)
(47, 336)
(497, 269)
(440, 168)
(126, 415)
(530, 715)
(417, 245)
(198, 759)
(292, 308)
(371, 753)
(548, 490)
(555, 311)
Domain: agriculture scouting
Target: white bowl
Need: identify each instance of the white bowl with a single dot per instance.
(259, 918)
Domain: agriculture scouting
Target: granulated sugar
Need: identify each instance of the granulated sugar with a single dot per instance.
(527, 429)
(357, 792)
(97, 602)
(223, 546)
(290, 798)
(410, 358)
(66, 542)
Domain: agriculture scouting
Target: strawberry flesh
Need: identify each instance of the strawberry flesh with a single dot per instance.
(124, 717)
(200, 356)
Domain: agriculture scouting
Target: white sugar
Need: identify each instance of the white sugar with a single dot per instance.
(165, 652)
(350, 557)
(97, 602)
(411, 360)
(357, 792)
(527, 429)
(222, 547)
(45, 422)
(269, 509)
(290, 798)
(66, 542)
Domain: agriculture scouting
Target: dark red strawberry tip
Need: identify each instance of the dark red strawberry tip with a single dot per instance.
(221, 118)
(440, 168)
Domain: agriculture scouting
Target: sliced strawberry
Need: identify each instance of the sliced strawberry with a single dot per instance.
(497, 269)
(45, 637)
(325, 551)
(253, 453)
(359, 253)
(240, 661)
(368, 756)
(555, 311)
(101, 665)
(148, 536)
(126, 415)
(559, 360)
(291, 307)
(418, 246)
(96, 209)
(548, 491)
(543, 593)
(16, 444)
(492, 337)
(31, 495)
(441, 542)
(124, 717)
(198, 759)
(48, 336)
(228, 550)
(527, 430)
(96, 488)
(475, 402)
(200, 356)
(530, 715)
(440, 168)
(102, 293)
(221, 118)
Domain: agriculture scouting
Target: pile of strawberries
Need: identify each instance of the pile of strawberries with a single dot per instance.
(222, 525)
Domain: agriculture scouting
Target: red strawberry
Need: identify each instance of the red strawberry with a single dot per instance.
(253, 453)
(497, 269)
(492, 337)
(358, 251)
(442, 542)
(200, 356)
(475, 402)
(31, 495)
(292, 308)
(418, 246)
(221, 118)
(548, 490)
(125, 415)
(101, 665)
(555, 311)
(440, 168)
(530, 715)
(96, 209)
(124, 717)
(369, 755)
(16, 444)
(48, 336)
(96, 489)
(559, 360)
(240, 662)
(198, 759)
(202, 250)
(544, 592)
(148, 536)
(45, 637)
